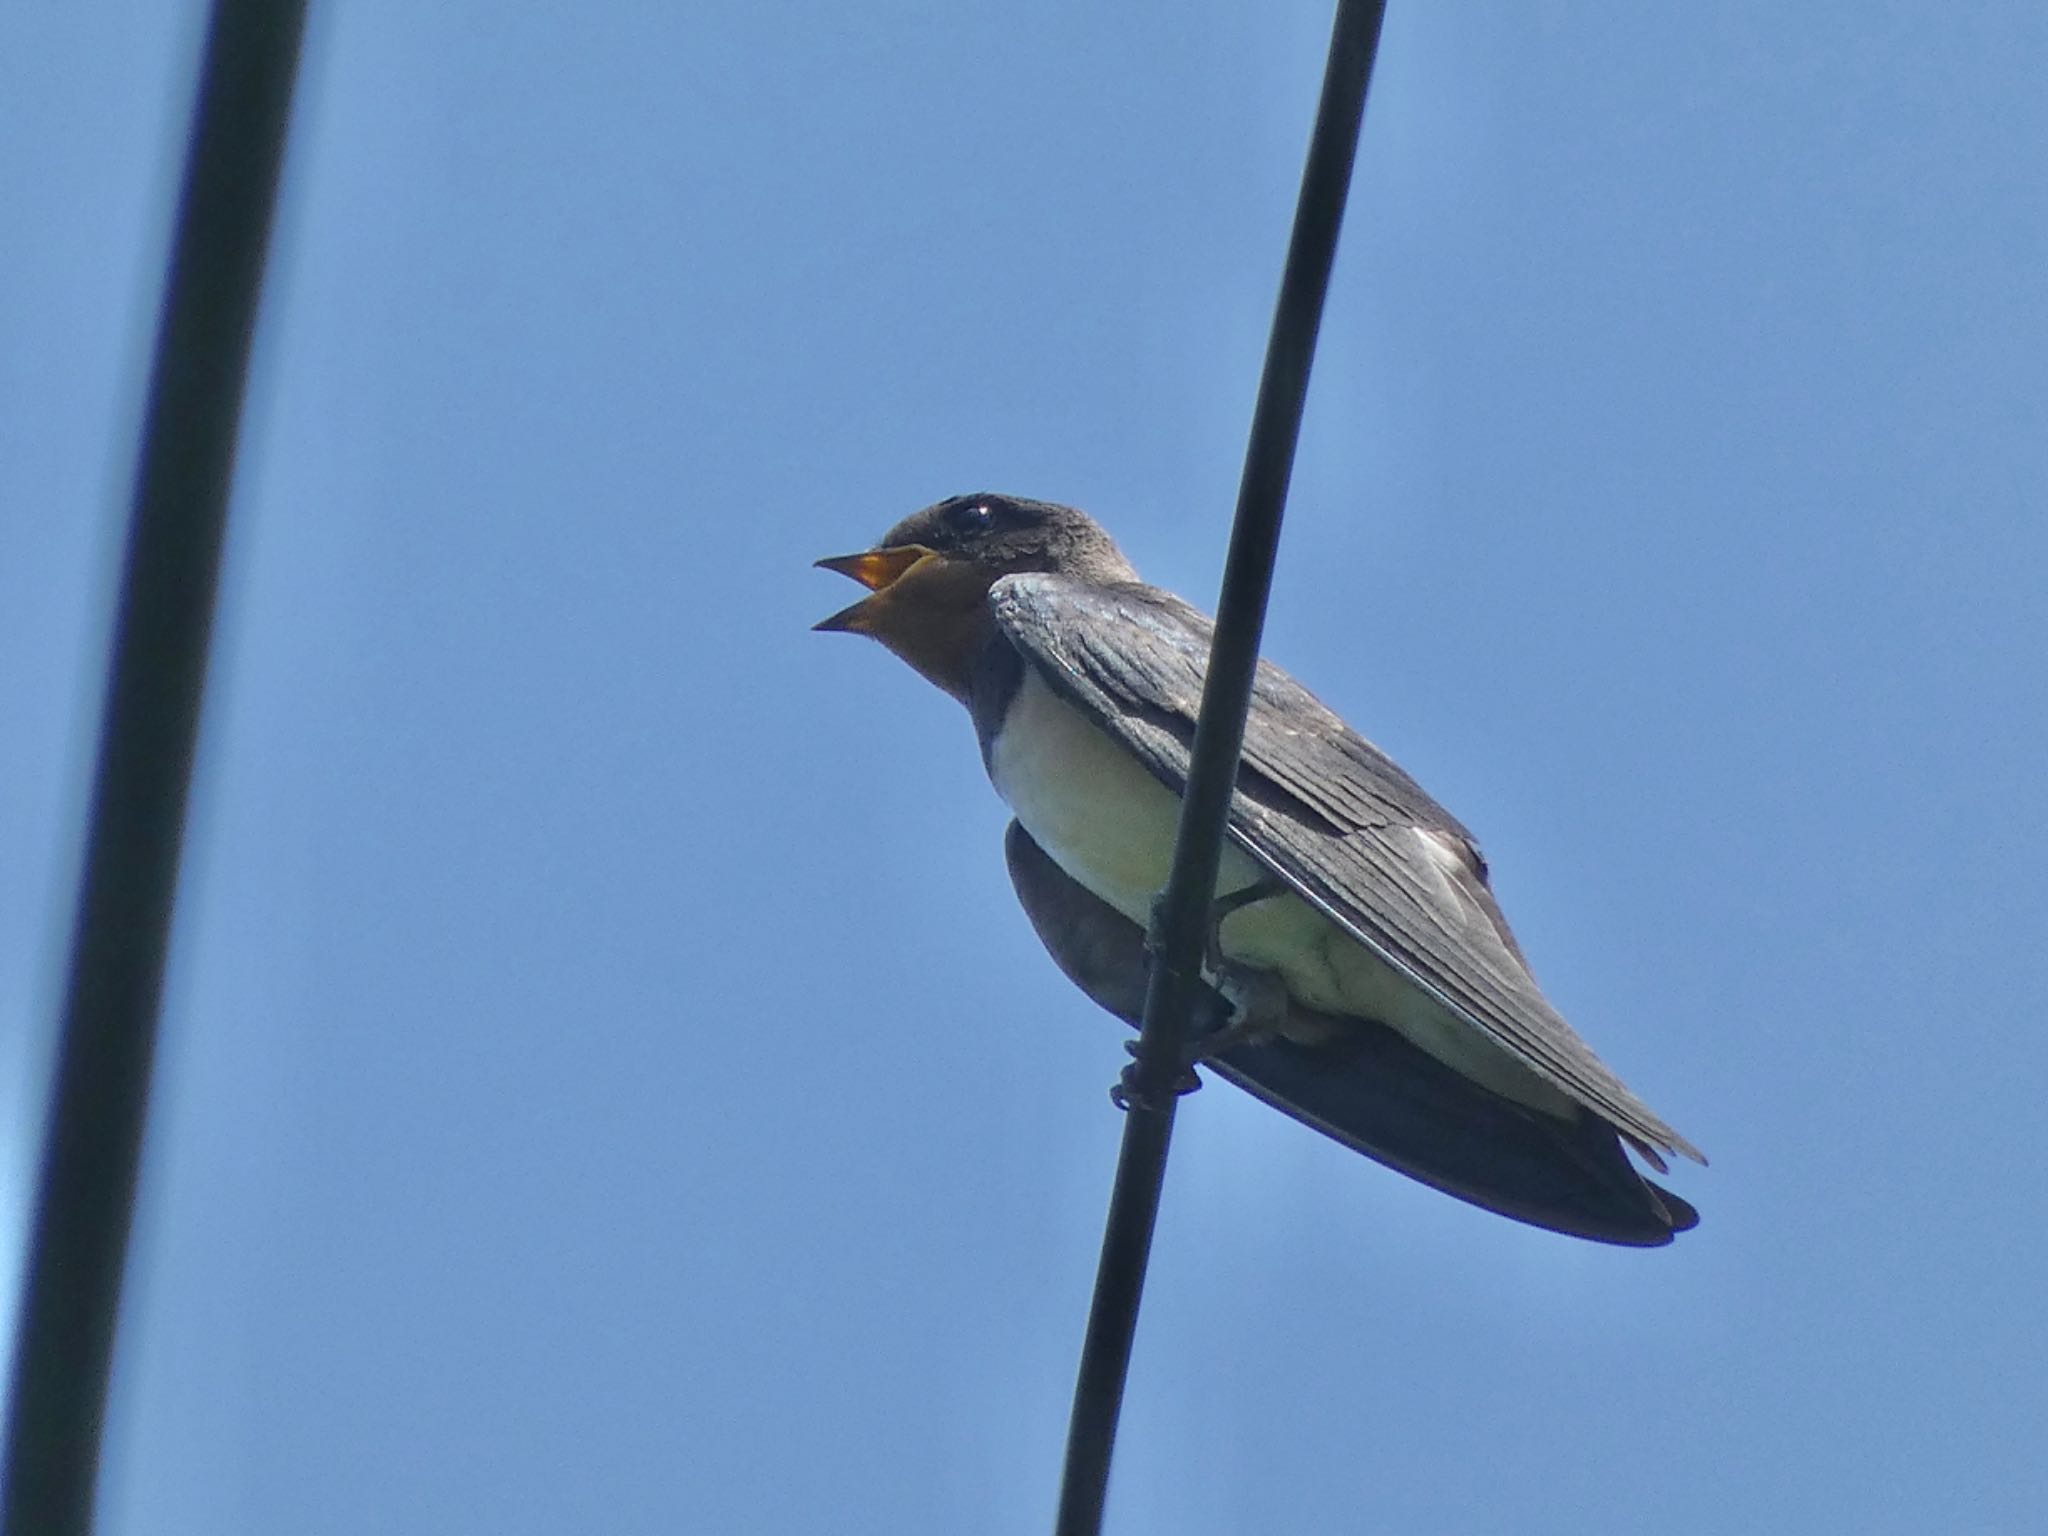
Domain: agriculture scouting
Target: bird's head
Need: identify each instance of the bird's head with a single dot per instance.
(929, 577)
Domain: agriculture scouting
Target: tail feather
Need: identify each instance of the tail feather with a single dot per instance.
(1372, 1090)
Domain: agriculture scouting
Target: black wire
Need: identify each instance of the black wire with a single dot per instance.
(149, 723)
(1181, 920)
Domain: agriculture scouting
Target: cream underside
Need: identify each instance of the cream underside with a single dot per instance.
(1108, 823)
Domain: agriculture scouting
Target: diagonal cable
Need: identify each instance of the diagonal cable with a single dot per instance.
(1181, 919)
(149, 725)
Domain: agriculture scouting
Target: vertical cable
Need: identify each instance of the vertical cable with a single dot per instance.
(149, 724)
(1181, 919)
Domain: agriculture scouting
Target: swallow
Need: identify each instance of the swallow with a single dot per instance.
(1360, 975)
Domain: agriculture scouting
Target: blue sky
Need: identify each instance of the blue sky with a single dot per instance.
(606, 1081)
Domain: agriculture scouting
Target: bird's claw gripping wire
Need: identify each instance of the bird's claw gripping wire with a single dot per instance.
(1257, 1001)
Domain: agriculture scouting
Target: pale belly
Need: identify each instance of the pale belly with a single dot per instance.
(1108, 823)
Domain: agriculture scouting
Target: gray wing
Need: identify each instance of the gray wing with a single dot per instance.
(1325, 810)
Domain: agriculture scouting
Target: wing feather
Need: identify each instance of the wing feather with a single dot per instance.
(1325, 810)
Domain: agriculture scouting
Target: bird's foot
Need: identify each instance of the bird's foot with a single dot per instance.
(1259, 1008)
(1219, 909)
(1257, 1000)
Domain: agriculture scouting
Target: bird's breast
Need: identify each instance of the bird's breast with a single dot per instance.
(1090, 804)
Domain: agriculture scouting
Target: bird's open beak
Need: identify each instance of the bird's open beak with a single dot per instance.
(875, 569)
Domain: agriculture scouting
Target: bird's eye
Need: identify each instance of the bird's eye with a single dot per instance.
(970, 517)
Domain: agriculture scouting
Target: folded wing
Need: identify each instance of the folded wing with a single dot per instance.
(1326, 811)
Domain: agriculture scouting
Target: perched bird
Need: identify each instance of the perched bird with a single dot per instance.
(1361, 976)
